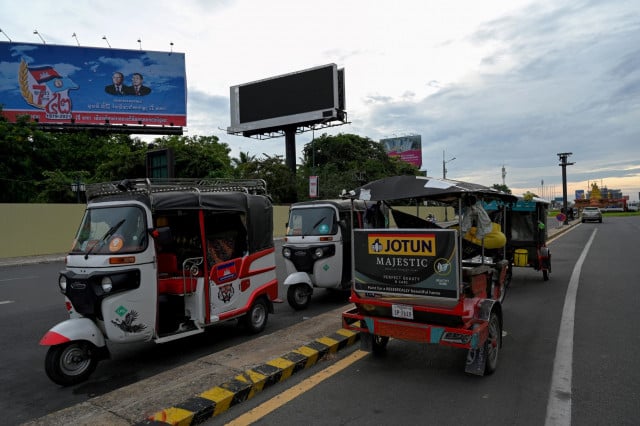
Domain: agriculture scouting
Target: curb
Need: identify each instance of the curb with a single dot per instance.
(556, 231)
(246, 385)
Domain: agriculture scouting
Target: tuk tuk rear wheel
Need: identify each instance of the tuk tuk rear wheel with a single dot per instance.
(379, 344)
(545, 275)
(299, 296)
(493, 344)
(70, 363)
(256, 318)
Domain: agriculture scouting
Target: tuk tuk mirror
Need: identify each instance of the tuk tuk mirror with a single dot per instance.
(162, 235)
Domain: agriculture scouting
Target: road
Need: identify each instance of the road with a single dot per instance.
(30, 304)
(412, 383)
(418, 384)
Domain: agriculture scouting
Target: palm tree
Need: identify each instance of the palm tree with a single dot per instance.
(245, 158)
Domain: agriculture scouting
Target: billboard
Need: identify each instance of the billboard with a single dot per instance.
(315, 95)
(408, 148)
(86, 85)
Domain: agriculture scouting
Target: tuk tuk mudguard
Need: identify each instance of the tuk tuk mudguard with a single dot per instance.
(476, 357)
(75, 329)
(298, 278)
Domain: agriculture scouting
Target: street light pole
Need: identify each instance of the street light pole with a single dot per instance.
(77, 187)
(444, 165)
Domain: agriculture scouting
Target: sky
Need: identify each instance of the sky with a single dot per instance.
(488, 85)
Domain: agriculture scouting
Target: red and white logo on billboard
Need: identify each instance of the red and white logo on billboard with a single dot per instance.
(45, 88)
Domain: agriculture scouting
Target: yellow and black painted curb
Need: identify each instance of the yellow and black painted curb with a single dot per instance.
(246, 385)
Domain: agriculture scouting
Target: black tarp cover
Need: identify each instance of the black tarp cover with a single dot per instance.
(257, 208)
(408, 186)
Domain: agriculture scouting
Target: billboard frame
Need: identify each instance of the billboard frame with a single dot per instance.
(61, 88)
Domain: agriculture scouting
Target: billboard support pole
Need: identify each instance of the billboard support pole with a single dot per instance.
(290, 149)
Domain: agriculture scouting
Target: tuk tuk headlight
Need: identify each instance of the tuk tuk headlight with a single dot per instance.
(286, 252)
(106, 284)
(62, 283)
(319, 252)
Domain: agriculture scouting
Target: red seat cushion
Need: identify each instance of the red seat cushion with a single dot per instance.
(167, 263)
(176, 285)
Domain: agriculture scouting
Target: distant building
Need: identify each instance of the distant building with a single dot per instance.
(605, 198)
(607, 193)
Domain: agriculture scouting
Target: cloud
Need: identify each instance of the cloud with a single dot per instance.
(560, 87)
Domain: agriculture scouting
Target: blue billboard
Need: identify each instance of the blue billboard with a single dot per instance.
(88, 85)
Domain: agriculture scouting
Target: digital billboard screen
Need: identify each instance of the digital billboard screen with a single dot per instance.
(303, 97)
(86, 85)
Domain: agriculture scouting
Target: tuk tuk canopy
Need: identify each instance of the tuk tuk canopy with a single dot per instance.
(257, 209)
(444, 190)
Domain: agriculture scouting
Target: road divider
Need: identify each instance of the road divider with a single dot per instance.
(246, 385)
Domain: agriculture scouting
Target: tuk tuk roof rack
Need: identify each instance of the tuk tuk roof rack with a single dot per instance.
(150, 186)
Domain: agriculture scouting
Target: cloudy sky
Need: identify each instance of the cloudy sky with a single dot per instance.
(497, 83)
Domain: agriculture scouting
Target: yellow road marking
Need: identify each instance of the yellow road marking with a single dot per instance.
(279, 400)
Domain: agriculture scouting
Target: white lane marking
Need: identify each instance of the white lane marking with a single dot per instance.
(6, 302)
(559, 403)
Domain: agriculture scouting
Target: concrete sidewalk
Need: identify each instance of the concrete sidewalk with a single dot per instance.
(30, 260)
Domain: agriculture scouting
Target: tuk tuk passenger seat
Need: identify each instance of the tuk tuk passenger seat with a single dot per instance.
(177, 285)
(168, 264)
(172, 280)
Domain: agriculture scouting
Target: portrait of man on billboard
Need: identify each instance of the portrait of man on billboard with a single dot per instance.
(137, 87)
(117, 88)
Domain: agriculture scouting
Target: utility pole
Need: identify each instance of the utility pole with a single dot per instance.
(562, 156)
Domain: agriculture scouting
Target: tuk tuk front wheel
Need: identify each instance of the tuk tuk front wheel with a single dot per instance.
(493, 343)
(256, 318)
(71, 363)
(299, 296)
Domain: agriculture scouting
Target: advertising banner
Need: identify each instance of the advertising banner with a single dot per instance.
(408, 148)
(406, 262)
(313, 186)
(88, 85)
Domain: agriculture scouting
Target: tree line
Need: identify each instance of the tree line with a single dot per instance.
(38, 166)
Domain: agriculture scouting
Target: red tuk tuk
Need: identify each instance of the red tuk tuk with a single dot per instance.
(427, 284)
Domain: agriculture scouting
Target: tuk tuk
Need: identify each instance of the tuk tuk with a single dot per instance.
(160, 260)
(526, 231)
(317, 247)
(423, 283)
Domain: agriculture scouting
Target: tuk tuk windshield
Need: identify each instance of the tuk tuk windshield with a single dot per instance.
(312, 221)
(111, 230)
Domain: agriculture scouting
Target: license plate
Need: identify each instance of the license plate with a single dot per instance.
(402, 311)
